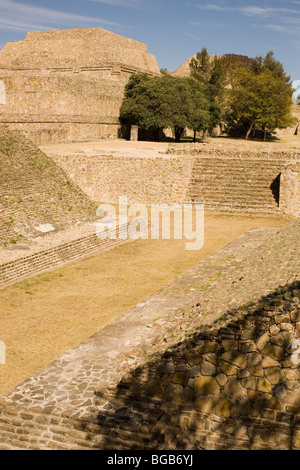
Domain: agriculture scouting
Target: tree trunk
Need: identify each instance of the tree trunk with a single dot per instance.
(178, 133)
(249, 130)
(265, 135)
(195, 136)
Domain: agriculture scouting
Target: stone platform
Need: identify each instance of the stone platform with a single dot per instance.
(59, 408)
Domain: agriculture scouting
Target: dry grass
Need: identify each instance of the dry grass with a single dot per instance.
(45, 316)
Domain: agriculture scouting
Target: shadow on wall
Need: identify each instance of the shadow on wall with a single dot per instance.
(152, 135)
(124, 132)
(275, 188)
(234, 385)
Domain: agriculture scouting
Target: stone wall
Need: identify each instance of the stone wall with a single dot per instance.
(68, 85)
(143, 180)
(290, 190)
(35, 191)
(233, 386)
(59, 254)
(220, 179)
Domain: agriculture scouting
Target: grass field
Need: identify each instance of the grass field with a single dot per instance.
(45, 316)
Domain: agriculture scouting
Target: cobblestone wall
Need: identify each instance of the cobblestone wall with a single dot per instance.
(230, 387)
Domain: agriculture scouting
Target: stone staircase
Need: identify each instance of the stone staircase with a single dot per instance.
(235, 184)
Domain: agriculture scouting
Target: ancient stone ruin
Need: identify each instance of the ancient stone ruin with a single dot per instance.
(68, 85)
(211, 361)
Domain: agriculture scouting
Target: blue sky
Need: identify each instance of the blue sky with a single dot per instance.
(173, 30)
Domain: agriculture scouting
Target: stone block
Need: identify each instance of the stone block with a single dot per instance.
(206, 386)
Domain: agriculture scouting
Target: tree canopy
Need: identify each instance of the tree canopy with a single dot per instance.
(246, 94)
(167, 102)
(259, 97)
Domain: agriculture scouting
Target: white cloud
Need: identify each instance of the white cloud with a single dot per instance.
(249, 10)
(276, 27)
(18, 17)
(123, 3)
(256, 11)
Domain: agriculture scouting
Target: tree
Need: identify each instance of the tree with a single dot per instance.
(204, 113)
(166, 102)
(210, 72)
(260, 97)
(230, 62)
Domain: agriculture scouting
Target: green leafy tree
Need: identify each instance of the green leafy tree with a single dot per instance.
(209, 71)
(166, 102)
(260, 97)
(205, 114)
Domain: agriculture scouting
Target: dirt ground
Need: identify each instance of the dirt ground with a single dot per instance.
(45, 316)
(121, 145)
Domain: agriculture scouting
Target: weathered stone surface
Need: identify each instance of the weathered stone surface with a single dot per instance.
(269, 362)
(228, 369)
(230, 345)
(256, 371)
(249, 382)
(193, 358)
(204, 404)
(234, 357)
(263, 341)
(180, 378)
(293, 398)
(253, 359)
(221, 379)
(207, 368)
(168, 368)
(264, 385)
(208, 347)
(274, 375)
(295, 316)
(206, 386)
(174, 394)
(275, 352)
(63, 69)
(223, 407)
(282, 318)
(234, 390)
(268, 401)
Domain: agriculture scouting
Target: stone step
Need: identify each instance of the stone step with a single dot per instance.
(225, 207)
(234, 179)
(233, 201)
(230, 176)
(234, 192)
